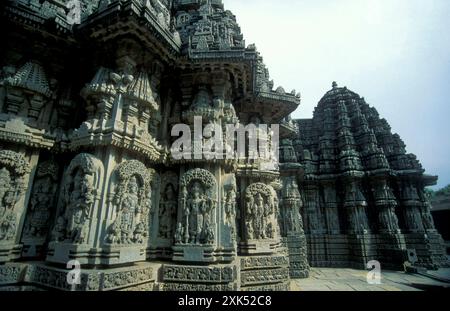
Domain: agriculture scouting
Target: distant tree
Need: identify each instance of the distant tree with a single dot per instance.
(430, 193)
(443, 191)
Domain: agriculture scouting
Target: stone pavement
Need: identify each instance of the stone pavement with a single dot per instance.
(331, 279)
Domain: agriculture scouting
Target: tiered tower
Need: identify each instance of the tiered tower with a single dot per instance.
(364, 195)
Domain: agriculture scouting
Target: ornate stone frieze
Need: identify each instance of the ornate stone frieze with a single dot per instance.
(256, 277)
(264, 262)
(195, 274)
(90, 280)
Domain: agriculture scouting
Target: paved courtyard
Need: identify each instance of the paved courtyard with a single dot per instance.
(330, 279)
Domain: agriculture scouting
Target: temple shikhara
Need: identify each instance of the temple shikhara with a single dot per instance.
(88, 179)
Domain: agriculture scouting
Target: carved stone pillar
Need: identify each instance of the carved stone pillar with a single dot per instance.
(386, 203)
(291, 225)
(411, 207)
(206, 215)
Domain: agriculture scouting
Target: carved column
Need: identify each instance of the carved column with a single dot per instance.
(206, 216)
(291, 225)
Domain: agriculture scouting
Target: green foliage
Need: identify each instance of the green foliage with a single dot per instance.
(430, 193)
(443, 191)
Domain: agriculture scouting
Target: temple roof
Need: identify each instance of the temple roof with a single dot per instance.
(181, 31)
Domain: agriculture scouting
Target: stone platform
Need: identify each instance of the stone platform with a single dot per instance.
(341, 279)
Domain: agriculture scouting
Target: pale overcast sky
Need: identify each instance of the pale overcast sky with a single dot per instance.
(395, 53)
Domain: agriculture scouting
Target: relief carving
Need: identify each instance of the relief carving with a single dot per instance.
(229, 205)
(13, 170)
(198, 199)
(168, 206)
(131, 204)
(42, 200)
(260, 201)
(291, 219)
(80, 189)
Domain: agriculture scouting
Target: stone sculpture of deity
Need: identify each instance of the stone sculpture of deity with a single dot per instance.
(129, 208)
(167, 212)
(260, 207)
(197, 211)
(198, 198)
(7, 217)
(81, 180)
(79, 206)
(132, 203)
(41, 203)
(5, 190)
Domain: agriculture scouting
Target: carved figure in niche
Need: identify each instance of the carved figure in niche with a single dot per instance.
(197, 210)
(78, 210)
(13, 169)
(291, 218)
(260, 211)
(198, 200)
(132, 202)
(179, 233)
(167, 212)
(42, 199)
(129, 208)
(230, 206)
(5, 191)
(40, 206)
(81, 180)
(58, 233)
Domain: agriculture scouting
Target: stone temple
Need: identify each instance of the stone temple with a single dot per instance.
(88, 180)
